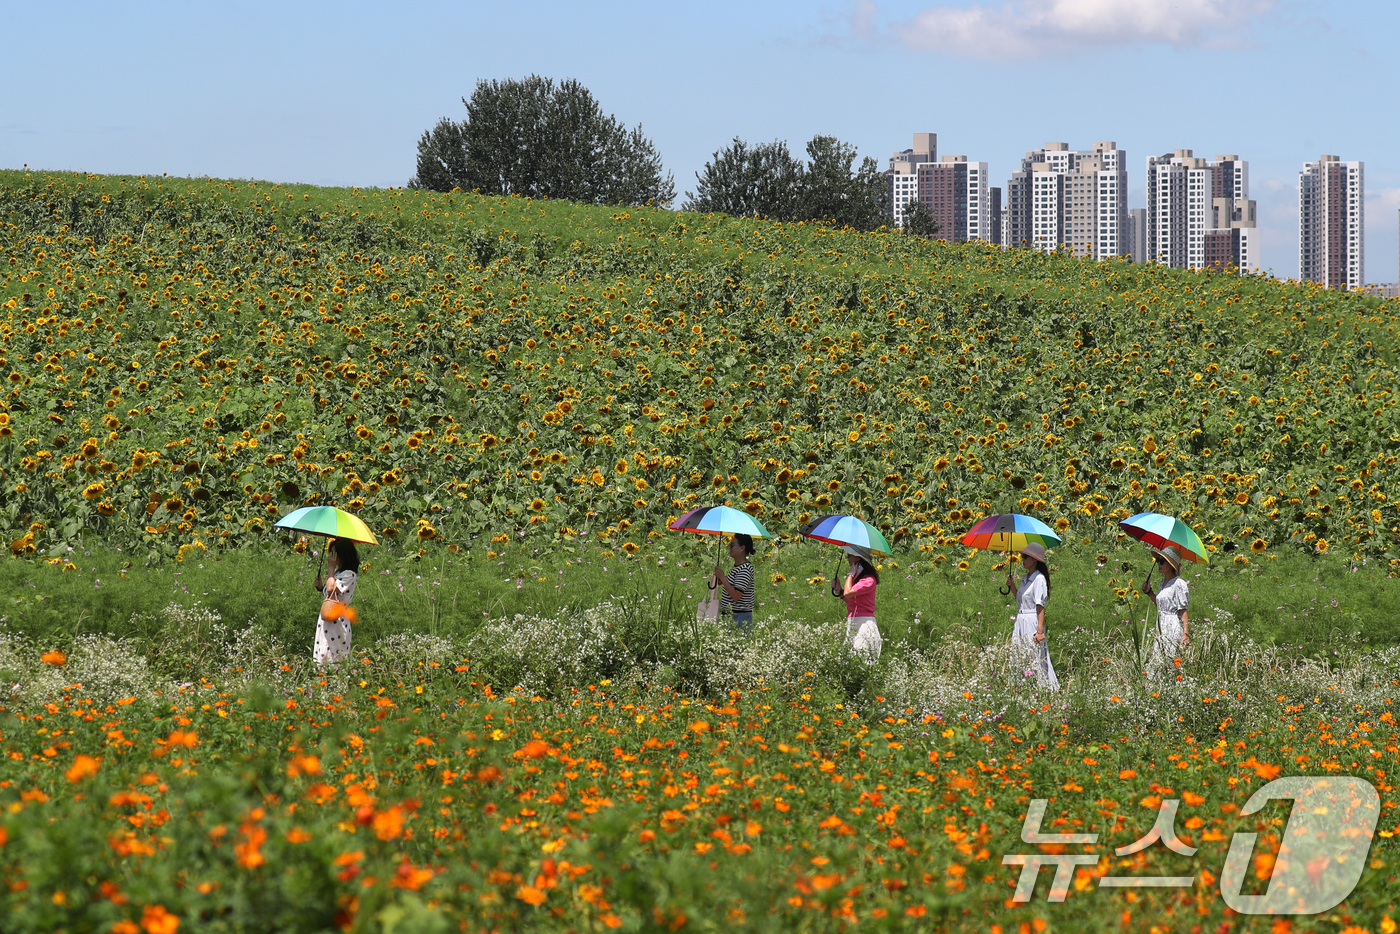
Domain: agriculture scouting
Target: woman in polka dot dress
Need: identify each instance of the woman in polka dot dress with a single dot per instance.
(333, 636)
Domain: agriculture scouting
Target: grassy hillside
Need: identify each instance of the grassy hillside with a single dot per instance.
(186, 360)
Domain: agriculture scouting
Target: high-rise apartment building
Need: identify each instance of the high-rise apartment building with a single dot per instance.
(1332, 223)
(1199, 213)
(1137, 227)
(956, 192)
(903, 173)
(994, 215)
(1079, 200)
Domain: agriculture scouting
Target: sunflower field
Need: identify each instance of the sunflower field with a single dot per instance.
(186, 360)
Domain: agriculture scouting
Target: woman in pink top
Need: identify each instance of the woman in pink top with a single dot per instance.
(858, 590)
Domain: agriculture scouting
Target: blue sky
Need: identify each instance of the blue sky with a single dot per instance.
(338, 94)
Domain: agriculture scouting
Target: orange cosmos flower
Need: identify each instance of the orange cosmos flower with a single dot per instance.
(156, 920)
(83, 766)
(54, 658)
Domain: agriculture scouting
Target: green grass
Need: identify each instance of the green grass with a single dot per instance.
(1308, 604)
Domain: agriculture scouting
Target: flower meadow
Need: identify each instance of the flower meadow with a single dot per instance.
(186, 360)
(802, 790)
(534, 732)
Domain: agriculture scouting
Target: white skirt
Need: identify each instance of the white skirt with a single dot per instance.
(1167, 644)
(332, 641)
(863, 637)
(1035, 655)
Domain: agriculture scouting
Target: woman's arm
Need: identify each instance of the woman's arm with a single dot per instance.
(1185, 626)
(734, 592)
(1040, 622)
(723, 581)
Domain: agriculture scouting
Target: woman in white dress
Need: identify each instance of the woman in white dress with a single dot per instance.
(333, 636)
(1172, 601)
(1028, 636)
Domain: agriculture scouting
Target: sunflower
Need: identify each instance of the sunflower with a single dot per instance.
(94, 491)
(413, 442)
(833, 486)
(1258, 545)
(363, 433)
(963, 565)
(536, 476)
(1061, 524)
(941, 464)
(1322, 546)
(630, 547)
(537, 505)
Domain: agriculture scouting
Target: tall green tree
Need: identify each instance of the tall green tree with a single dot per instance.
(531, 137)
(918, 220)
(749, 181)
(767, 180)
(833, 191)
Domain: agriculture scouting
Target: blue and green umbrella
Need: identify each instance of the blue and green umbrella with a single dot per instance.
(329, 522)
(719, 520)
(841, 529)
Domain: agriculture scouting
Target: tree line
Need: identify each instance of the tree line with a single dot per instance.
(540, 139)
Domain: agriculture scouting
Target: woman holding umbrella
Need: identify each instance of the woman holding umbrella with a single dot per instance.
(858, 590)
(1171, 600)
(337, 590)
(1031, 597)
(736, 596)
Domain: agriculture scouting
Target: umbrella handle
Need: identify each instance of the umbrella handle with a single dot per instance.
(1004, 591)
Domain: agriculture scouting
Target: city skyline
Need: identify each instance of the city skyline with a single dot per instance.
(339, 94)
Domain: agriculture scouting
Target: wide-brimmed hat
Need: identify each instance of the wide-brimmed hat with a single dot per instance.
(1169, 555)
(1036, 550)
(861, 552)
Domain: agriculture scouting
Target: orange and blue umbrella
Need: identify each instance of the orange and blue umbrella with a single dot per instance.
(1158, 531)
(841, 529)
(1010, 532)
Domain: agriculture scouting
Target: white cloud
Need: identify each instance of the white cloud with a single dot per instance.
(1026, 28)
(1383, 200)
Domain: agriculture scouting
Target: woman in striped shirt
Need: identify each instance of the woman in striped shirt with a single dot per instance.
(736, 595)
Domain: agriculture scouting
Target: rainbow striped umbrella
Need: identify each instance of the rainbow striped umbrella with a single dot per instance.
(846, 530)
(1009, 532)
(328, 521)
(1158, 531)
(719, 520)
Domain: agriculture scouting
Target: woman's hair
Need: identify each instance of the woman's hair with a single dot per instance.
(345, 554)
(746, 541)
(1044, 569)
(866, 570)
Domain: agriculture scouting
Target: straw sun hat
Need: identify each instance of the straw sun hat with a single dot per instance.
(1035, 550)
(1169, 555)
